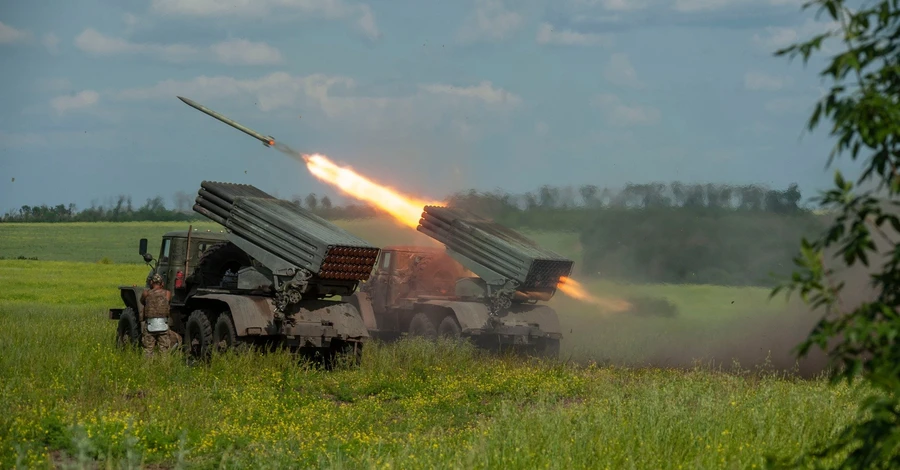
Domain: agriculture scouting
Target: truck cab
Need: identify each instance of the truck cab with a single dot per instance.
(407, 272)
(179, 255)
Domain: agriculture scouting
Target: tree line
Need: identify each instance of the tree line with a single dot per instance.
(666, 233)
(677, 233)
(497, 205)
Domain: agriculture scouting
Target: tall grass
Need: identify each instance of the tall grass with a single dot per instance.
(70, 397)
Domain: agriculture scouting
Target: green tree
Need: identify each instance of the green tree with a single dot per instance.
(862, 342)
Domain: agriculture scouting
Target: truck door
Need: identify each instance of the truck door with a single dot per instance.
(163, 262)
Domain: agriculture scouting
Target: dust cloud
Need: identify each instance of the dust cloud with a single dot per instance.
(753, 340)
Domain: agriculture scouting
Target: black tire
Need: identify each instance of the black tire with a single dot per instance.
(128, 331)
(550, 349)
(421, 325)
(225, 336)
(449, 328)
(343, 352)
(198, 336)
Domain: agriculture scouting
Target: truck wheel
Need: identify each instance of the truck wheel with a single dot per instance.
(550, 349)
(224, 333)
(346, 352)
(198, 337)
(421, 325)
(128, 332)
(449, 328)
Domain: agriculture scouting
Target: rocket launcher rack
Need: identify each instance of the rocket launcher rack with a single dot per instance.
(500, 256)
(285, 237)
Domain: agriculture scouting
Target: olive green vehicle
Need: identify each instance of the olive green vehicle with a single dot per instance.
(484, 285)
(267, 279)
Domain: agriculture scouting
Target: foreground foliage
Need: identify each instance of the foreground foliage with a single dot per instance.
(69, 397)
(864, 107)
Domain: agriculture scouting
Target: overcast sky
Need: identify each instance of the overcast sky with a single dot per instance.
(428, 97)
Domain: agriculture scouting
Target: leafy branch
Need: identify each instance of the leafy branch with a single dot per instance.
(862, 341)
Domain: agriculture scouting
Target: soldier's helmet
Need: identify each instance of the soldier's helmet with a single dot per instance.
(156, 279)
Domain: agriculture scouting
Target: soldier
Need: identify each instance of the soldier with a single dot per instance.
(155, 317)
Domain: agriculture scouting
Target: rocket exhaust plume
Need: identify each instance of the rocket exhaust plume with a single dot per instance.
(406, 210)
(574, 289)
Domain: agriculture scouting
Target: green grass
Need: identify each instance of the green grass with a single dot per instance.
(69, 395)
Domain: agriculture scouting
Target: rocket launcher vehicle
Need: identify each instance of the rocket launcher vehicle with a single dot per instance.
(286, 238)
(498, 255)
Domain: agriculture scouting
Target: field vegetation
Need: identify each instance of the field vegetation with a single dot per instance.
(72, 398)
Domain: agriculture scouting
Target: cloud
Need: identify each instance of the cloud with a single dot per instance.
(337, 99)
(83, 99)
(622, 114)
(230, 52)
(9, 35)
(490, 21)
(684, 6)
(619, 71)
(616, 5)
(130, 20)
(51, 42)
(779, 37)
(564, 37)
(700, 5)
(484, 91)
(97, 44)
(328, 9)
(244, 52)
(366, 23)
(757, 81)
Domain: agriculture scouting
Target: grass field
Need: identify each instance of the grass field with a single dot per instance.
(68, 395)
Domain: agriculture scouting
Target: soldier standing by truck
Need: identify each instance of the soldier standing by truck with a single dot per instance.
(155, 321)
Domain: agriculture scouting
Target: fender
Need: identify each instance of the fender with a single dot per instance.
(252, 314)
(473, 316)
(255, 315)
(363, 303)
(327, 318)
(544, 316)
(131, 297)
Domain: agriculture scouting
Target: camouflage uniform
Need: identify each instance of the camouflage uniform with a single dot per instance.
(156, 305)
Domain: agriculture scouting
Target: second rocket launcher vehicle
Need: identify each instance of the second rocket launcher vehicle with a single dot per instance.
(267, 140)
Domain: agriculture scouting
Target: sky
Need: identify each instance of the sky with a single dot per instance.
(426, 97)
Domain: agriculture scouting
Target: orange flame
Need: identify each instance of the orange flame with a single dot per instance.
(406, 210)
(574, 289)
